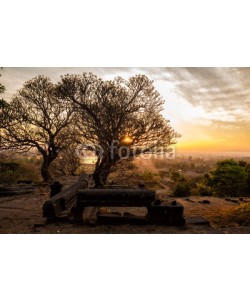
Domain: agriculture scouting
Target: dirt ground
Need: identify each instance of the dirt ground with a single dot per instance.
(23, 214)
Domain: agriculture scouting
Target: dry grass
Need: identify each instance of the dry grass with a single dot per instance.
(239, 216)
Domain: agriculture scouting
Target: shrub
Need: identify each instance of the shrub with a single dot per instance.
(163, 174)
(19, 169)
(176, 176)
(203, 190)
(182, 189)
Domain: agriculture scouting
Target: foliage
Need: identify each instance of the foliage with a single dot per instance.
(2, 87)
(176, 176)
(12, 170)
(182, 189)
(248, 183)
(228, 179)
(148, 175)
(10, 167)
(163, 173)
(3, 103)
(204, 190)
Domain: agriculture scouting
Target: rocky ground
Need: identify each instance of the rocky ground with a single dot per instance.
(23, 214)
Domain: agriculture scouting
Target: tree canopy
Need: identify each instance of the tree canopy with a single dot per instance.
(228, 179)
(117, 118)
(36, 118)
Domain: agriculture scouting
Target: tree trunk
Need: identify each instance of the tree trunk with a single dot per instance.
(101, 172)
(45, 169)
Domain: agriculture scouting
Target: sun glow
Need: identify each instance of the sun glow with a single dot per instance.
(127, 140)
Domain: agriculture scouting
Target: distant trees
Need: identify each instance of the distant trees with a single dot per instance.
(228, 179)
(38, 119)
(117, 118)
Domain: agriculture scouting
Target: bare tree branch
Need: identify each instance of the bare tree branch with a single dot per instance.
(37, 118)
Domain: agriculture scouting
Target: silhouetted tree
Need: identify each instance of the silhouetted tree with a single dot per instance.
(118, 118)
(37, 119)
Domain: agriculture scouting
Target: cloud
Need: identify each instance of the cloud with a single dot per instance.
(210, 88)
(213, 88)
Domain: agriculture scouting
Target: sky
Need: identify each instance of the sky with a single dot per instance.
(209, 107)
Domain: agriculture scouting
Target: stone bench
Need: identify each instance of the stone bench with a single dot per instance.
(159, 212)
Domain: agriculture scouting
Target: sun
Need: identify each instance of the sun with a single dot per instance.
(127, 140)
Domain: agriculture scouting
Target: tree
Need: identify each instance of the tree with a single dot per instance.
(68, 161)
(2, 101)
(37, 119)
(247, 168)
(2, 88)
(228, 179)
(118, 118)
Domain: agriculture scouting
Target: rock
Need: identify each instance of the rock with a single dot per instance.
(243, 200)
(234, 201)
(204, 201)
(167, 213)
(189, 200)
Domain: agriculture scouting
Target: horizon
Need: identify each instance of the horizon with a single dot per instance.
(232, 154)
(207, 106)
